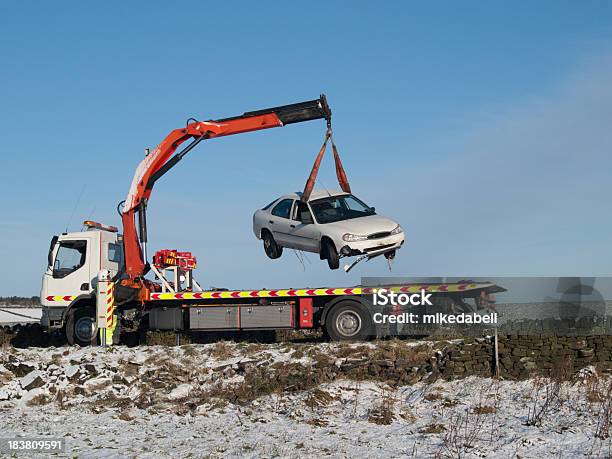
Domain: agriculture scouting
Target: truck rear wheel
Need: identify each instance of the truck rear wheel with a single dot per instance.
(81, 326)
(348, 321)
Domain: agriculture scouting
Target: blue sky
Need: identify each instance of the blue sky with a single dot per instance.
(483, 127)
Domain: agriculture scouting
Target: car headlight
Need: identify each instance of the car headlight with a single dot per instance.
(397, 230)
(348, 237)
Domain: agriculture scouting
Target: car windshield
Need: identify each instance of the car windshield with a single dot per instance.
(338, 208)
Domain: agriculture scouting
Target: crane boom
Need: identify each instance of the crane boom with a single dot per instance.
(163, 158)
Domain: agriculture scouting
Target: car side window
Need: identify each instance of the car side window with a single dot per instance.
(70, 256)
(283, 208)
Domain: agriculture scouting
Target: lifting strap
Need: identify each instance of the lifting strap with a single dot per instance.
(342, 180)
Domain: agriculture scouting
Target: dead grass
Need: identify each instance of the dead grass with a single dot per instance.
(433, 428)
(222, 350)
(190, 350)
(547, 398)
(252, 349)
(383, 413)
(318, 398)
(603, 393)
(39, 400)
(433, 396)
(485, 409)
(317, 422)
(461, 434)
(407, 415)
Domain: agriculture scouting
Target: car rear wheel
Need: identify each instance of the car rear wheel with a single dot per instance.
(331, 254)
(272, 249)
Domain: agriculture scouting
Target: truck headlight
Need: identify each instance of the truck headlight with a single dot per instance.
(397, 230)
(348, 237)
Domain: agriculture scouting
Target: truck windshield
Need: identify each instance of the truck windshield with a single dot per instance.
(338, 208)
(70, 257)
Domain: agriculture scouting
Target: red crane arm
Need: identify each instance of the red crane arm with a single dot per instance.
(163, 157)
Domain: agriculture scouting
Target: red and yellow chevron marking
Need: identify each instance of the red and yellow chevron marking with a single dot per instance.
(110, 305)
(65, 298)
(412, 288)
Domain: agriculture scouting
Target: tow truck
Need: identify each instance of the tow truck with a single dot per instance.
(174, 300)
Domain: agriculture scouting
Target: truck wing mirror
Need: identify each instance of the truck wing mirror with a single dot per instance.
(51, 247)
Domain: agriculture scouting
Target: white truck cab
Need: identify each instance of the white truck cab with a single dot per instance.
(74, 261)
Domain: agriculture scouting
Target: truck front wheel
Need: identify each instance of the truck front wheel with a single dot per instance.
(81, 326)
(348, 321)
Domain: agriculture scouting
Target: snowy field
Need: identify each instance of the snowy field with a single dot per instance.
(192, 401)
(14, 315)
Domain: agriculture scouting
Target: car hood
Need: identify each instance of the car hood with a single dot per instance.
(364, 225)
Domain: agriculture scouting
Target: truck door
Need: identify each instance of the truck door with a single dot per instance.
(111, 251)
(69, 274)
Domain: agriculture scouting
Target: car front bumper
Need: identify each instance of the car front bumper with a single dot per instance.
(372, 247)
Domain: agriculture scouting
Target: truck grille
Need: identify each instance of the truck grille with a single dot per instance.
(379, 235)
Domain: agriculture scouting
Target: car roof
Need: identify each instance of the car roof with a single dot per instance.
(316, 194)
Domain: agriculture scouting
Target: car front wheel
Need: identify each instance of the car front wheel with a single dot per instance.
(331, 254)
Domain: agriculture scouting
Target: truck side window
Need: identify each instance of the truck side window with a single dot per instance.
(114, 252)
(283, 208)
(70, 256)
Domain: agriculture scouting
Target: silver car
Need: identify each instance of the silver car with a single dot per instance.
(333, 224)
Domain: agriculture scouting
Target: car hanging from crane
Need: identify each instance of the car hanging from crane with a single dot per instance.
(333, 224)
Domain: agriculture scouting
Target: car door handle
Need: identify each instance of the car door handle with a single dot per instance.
(270, 222)
(292, 226)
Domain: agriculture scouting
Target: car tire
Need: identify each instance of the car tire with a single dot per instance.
(81, 326)
(272, 249)
(348, 321)
(331, 254)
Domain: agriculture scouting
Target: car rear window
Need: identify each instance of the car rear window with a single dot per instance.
(283, 208)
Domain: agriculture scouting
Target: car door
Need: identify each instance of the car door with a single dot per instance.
(303, 232)
(280, 222)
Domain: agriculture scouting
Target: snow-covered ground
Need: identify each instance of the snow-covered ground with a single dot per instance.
(19, 315)
(191, 401)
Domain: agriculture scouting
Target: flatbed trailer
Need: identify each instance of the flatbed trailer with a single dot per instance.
(344, 313)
